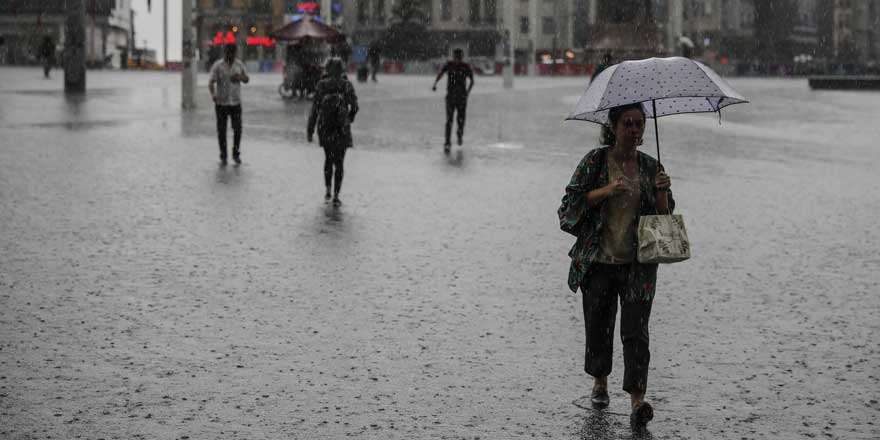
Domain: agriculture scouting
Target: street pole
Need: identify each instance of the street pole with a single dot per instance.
(165, 33)
(533, 36)
(674, 26)
(327, 12)
(188, 86)
(75, 47)
(509, 16)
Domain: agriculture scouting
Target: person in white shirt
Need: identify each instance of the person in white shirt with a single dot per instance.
(225, 86)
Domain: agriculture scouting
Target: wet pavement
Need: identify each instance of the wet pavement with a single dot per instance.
(149, 293)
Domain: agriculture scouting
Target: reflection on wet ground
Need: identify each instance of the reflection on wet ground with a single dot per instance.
(333, 213)
(228, 173)
(456, 158)
(600, 425)
(608, 423)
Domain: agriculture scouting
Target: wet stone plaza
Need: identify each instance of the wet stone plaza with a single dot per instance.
(148, 293)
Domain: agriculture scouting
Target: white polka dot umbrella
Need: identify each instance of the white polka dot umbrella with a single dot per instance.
(671, 85)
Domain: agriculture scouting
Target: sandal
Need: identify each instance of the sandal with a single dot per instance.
(642, 414)
(600, 398)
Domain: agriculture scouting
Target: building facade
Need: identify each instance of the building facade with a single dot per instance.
(25, 23)
(471, 25)
(853, 31)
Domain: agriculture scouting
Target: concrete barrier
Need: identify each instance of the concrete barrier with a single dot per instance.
(839, 82)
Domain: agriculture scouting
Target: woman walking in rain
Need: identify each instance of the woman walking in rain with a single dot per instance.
(333, 110)
(612, 186)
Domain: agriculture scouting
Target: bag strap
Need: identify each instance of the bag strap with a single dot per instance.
(665, 193)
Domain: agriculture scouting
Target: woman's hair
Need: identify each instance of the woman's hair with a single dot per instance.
(608, 137)
(334, 67)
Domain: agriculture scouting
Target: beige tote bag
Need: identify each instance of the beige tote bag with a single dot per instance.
(662, 239)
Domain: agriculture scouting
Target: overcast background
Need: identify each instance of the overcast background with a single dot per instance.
(148, 26)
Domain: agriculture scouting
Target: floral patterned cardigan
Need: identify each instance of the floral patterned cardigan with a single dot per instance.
(586, 223)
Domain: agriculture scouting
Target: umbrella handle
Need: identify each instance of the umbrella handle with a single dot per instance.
(656, 129)
(657, 138)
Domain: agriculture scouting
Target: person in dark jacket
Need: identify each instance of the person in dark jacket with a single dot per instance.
(47, 53)
(456, 93)
(333, 110)
(374, 55)
(606, 62)
(611, 187)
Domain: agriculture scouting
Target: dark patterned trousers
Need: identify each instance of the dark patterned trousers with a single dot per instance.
(225, 112)
(455, 104)
(601, 288)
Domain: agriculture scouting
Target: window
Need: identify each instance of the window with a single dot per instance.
(362, 11)
(379, 11)
(446, 10)
(524, 25)
(490, 9)
(474, 11)
(428, 10)
(548, 25)
(261, 6)
(221, 4)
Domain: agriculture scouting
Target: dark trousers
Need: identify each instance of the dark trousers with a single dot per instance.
(223, 113)
(333, 158)
(455, 104)
(602, 286)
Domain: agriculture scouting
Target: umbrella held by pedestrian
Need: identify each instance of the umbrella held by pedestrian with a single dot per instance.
(619, 206)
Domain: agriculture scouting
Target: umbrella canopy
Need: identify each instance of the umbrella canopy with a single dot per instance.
(306, 28)
(672, 86)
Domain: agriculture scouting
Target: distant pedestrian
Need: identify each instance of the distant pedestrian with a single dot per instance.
(374, 55)
(456, 93)
(47, 53)
(343, 50)
(225, 86)
(606, 62)
(333, 110)
(611, 187)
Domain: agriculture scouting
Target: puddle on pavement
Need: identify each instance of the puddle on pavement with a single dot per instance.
(78, 125)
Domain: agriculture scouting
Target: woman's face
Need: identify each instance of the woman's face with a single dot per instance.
(630, 127)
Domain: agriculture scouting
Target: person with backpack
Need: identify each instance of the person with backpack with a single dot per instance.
(456, 93)
(333, 110)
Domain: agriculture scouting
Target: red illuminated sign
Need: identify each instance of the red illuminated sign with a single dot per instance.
(220, 38)
(307, 6)
(229, 38)
(265, 41)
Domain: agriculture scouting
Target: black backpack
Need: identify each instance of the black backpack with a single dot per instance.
(333, 113)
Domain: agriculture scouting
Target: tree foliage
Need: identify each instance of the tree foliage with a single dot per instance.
(408, 38)
(774, 24)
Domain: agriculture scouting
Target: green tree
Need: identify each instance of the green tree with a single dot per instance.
(408, 38)
(409, 11)
(774, 25)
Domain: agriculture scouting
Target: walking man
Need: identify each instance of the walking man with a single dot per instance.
(225, 86)
(374, 54)
(456, 93)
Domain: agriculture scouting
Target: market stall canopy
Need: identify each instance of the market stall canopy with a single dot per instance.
(307, 28)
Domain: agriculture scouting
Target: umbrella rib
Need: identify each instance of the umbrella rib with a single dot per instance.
(715, 108)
